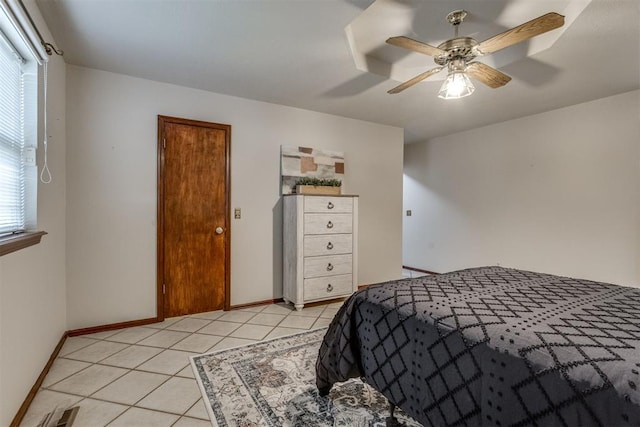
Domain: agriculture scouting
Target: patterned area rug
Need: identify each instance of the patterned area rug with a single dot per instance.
(272, 383)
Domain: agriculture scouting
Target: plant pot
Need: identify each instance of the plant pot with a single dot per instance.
(318, 189)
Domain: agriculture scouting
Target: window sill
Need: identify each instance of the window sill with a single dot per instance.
(20, 241)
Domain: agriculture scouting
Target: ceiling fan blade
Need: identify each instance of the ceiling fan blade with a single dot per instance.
(540, 25)
(415, 46)
(487, 75)
(416, 79)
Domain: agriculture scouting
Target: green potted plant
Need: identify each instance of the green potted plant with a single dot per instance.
(310, 185)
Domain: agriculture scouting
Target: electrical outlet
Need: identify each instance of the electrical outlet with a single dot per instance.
(409, 212)
(236, 213)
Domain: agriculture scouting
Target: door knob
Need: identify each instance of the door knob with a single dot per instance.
(219, 230)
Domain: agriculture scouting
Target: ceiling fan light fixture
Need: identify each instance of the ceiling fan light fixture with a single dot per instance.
(457, 85)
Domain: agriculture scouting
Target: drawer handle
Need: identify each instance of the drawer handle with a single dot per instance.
(329, 267)
(329, 246)
(330, 205)
(329, 224)
(329, 287)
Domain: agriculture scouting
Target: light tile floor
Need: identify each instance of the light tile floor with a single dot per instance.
(141, 376)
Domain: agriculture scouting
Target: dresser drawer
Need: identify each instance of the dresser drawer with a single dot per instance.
(328, 223)
(328, 287)
(330, 244)
(328, 204)
(331, 265)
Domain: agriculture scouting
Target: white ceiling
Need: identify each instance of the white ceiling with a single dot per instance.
(296, 53)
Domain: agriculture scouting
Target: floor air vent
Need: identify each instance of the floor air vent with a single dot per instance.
(60, 417)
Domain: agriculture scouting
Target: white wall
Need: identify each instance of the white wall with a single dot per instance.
(32, 280)
(556, 192)
(111, 192)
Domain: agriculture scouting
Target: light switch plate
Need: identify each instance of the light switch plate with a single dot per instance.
(236, 213)
(409, 212)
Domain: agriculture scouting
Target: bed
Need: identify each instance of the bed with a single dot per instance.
(492, 346)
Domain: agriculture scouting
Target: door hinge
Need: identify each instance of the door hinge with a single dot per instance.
(164, 289)
(164, 142)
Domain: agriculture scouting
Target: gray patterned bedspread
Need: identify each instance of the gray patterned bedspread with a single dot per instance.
(492, 346)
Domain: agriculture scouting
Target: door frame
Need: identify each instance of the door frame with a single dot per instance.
(162, 120)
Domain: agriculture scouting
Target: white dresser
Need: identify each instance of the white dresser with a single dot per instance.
(320, 248)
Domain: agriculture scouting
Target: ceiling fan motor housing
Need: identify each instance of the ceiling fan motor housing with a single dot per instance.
(458, 48)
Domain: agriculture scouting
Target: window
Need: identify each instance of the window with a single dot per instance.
(12, 139)
(20, 57)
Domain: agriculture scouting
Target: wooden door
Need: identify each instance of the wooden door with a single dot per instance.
(193, 216)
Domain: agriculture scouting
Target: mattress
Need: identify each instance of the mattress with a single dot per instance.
(492, 346)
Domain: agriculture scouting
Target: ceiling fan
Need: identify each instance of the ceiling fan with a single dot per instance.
(458, 54)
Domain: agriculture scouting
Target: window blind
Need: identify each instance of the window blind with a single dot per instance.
(12, 140)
